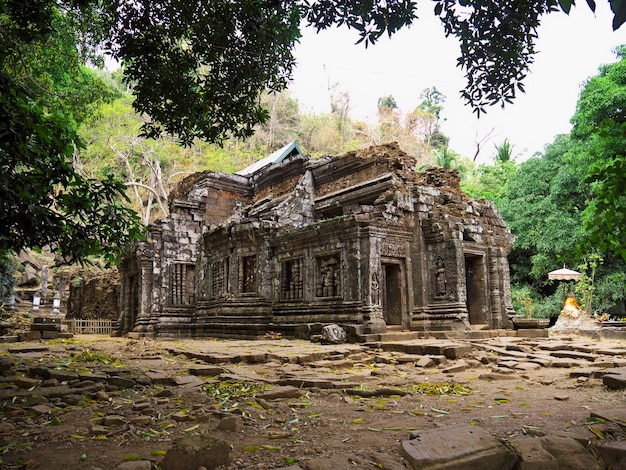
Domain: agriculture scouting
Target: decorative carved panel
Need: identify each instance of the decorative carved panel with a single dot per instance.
(182, 281)
(292, 279)
(219, 278)
(329, 275)
(393, 249)
(247, 274)
(441, 281)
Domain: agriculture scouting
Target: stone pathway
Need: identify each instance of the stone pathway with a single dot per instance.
(164, 387)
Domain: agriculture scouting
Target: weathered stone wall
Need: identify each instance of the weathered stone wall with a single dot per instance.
(96, 297)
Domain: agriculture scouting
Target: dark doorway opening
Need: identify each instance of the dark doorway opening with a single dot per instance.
(476, 289)
(392, 293)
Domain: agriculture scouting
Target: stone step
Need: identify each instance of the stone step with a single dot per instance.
(389, 336)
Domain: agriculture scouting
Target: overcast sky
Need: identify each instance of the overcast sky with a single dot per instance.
(571, 50)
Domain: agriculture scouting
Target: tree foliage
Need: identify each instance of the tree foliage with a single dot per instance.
(600, 130)
(199, 67)
(542, 205)
(44, 94)
(490, 181)
(497, 39)
(567, 206)
(388, 102)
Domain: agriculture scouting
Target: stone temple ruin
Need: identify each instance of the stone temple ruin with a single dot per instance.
(294, 243)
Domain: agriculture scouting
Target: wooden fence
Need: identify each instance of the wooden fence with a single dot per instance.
(89, 327)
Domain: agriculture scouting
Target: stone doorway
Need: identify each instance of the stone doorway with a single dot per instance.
(394, 292)
(476, 292)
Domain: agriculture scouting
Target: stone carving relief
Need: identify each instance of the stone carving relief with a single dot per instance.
(441, 283)
(393, 249)
(219, 278)
(375, 289)
(328, 277)
(247, 274)
(292, 279)
(182, 282)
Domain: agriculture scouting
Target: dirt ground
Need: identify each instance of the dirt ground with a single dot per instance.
(97, 402)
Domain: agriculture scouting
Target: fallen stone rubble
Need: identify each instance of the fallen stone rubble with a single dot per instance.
(162, 395)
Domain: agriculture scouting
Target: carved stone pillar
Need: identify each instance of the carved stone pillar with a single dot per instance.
(145, 257)
(500, 289)
(123, 320)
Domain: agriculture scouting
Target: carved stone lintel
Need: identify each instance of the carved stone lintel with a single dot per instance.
(393, 249)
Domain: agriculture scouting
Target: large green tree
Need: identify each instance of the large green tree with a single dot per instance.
(542, 204)
(45, 93)
(600, 130)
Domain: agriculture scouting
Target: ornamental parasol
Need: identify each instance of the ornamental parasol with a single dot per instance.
(564, 275)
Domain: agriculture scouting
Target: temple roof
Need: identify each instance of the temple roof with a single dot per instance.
(278, 156)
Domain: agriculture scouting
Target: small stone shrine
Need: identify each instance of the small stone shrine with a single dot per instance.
(293, 243)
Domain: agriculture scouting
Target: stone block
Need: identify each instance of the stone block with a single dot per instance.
(526, 366)
(453, 351)
(553, 452)
(425, 362)
(231, 423)
(587, 372)
(41, 409)
(612, 453)
(439, 360)
(287, 391)
(45, 324)
(459, 366)
(615, 414)
(61, 375)
(29, 335)
(456, 448)
(614, 381)
(508, 364)
(121, 382)
(575, 355)
(206, 371)
(532, 333)
(196, 451)
(402, 359)
(188, 380)
(494, 376)
(26, 382)
(114, 420)
(543, 361)
(565, 363)
(160, 378)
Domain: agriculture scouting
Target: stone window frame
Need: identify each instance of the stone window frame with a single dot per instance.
(218, 277)
(337, 288)
(242, 279)
(292, 289)
(181, 283)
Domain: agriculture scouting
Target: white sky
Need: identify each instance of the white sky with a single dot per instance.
(571, 48)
